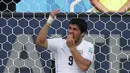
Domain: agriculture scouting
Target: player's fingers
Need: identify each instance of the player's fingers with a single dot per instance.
(57, 11)
(54, 13)
(71, 35)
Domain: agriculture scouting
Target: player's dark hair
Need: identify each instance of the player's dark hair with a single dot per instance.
(81, 23)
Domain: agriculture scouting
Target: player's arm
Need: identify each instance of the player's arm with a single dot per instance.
(82, 63)
(99, 6)
(41, 38)
(125, 7)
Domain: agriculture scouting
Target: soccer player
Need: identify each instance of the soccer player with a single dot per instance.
(73, 54)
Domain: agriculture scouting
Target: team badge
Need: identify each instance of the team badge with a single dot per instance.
(90, 50)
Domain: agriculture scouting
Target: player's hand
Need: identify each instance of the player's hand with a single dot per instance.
(70, 41)
(112, 11)
(54, 13)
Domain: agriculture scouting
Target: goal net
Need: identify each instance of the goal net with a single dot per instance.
(109, 32)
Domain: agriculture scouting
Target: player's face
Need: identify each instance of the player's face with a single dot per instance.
(75, 31)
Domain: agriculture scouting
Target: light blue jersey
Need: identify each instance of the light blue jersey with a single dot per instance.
(31, 6)
(50, 5)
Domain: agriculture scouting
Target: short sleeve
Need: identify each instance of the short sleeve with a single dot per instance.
(89, 55)
(54, 44)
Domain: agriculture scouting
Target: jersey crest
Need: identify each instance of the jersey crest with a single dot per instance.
(90, 50)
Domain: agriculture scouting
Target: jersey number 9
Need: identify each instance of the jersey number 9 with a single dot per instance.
(70, 60)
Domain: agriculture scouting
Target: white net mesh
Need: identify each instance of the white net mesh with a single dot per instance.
(64, 5)
(110, 34)
(49, 5)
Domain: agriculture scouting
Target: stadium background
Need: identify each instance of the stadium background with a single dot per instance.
(109, 32)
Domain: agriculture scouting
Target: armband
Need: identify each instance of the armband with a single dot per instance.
(50, 20)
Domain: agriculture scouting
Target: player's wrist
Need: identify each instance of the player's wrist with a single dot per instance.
(72, 48)
(50, 20)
